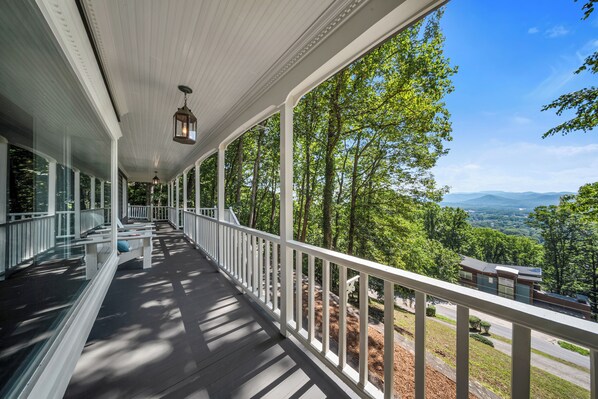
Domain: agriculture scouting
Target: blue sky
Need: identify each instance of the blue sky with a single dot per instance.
(514, 57)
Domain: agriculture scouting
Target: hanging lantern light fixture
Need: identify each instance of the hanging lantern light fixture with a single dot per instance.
(155, 180)
(184, 122)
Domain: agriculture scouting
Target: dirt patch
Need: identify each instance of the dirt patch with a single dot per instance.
(438, 385)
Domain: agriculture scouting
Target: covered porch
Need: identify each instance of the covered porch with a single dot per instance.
(225, 310)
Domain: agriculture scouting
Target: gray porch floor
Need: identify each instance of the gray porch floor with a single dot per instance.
(181, 329)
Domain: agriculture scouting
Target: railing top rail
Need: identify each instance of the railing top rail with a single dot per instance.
(26, 213)
(254, 232)
(552, 323)
(31, 220)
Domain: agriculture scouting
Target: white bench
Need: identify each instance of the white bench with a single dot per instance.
(140, 245)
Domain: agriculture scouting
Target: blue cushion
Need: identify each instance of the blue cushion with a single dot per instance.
(123, 246)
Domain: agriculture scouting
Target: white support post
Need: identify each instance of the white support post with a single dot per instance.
(102, 194)
(114, 192)
(594, 372)
(184, 191)
(92, 192)
(520, 362)
(3, 202)
(420, 345)
(197, 188)
(286, 214)
(168, 194)
(51, 187)
(125, 195)
(151, 209)
(221, 158)
(176, 196)
(77, 200)
(462, 352)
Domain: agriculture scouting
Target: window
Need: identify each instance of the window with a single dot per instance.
(465, 275)
(506, 287)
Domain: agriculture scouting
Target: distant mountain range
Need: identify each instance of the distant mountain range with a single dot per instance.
(501, 199)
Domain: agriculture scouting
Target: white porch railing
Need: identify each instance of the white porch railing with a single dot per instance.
(250, 258)
(12, 217)
(65, 223)
(91, 218)
(138, 212)
(30, 237)
(148, 212)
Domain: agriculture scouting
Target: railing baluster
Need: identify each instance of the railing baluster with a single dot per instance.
(420, 345)
(325, 306)
(520, 362)
(254, 265)
(275, 281)
(363, 328)
(267, 270)
(462, 352)
(298, 290)
(593, 373)
(260, 266)
(342, 317)
(248, 261)
(310, 298)
(389, 339)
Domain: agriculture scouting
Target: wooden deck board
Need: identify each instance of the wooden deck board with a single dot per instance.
(181, 329)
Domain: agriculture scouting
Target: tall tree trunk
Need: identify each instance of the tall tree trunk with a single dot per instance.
(354, 191)
(256, 177)
(239, 164)
(332, 138)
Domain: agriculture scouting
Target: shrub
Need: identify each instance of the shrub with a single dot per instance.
(482, 339)
(431, 311)
(485, 326)
(474, 322)
(574, 348)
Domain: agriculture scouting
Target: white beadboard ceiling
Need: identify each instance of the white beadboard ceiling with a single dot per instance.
(224, 50)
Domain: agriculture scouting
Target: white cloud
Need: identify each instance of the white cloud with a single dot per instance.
(556, 31)
(521, 120)
(563, 72)
(520, 166)
(533, 30)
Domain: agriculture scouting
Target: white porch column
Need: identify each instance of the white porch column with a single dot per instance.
(286, 213)
(125, 195)
(176, 196)
(197, 188)
(114, 192)
(3, 202)
(51, 187)
(184, 191)
(92, 192)
(77, 200)
(102, 194)
(151, 211)
(221, 152)
(169, 195)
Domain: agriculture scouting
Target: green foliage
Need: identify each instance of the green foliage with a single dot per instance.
(574, 348)
(431, 311)
(584, 102)
(485, 326)
(28, 181)
(474, 322)
(482, 339)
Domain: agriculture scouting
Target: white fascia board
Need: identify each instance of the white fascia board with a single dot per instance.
(64, 20)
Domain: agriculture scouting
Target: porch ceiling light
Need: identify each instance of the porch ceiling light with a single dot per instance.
(184, 122)
(155, 180)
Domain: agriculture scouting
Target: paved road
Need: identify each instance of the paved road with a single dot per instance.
(540, 341)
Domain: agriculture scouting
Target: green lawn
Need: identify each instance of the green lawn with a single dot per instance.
(487, 365)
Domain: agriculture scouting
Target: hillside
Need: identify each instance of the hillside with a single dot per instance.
(502, 200)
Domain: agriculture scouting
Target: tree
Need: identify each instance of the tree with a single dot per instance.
(584, 101)
(559, 231)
